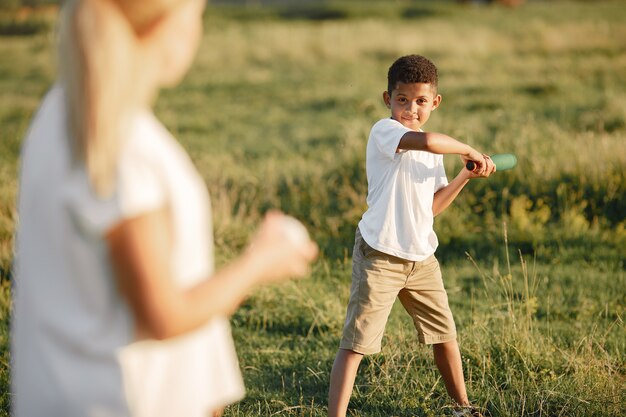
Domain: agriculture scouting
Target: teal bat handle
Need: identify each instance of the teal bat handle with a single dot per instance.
(503, 161)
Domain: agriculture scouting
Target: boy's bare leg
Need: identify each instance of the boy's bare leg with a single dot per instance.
(218, 413)
(448, 360)
(342, 378)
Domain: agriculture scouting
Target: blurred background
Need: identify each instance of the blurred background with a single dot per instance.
(276, 112)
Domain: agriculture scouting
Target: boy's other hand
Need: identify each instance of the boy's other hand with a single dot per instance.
(484, 166)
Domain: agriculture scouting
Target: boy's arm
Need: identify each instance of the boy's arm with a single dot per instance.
(446, 195)
(442, 144)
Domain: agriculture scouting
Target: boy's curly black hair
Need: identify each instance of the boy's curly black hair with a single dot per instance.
(412, 69)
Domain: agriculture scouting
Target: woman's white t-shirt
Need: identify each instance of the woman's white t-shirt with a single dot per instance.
(73, 348)
(400, 190)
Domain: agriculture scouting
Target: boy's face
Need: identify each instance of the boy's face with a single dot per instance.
(411, 103)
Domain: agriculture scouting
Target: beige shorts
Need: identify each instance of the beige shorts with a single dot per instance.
(377, 279)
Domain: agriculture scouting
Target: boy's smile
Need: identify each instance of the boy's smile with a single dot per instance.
(412, 103)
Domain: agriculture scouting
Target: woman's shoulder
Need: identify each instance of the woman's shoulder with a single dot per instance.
(150, 147)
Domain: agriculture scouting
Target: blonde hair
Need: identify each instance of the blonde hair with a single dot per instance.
(99, 69)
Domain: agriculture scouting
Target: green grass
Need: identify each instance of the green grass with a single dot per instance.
(276, 112)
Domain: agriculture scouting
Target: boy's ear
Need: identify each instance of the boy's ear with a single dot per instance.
(436, 101)
(387, 99)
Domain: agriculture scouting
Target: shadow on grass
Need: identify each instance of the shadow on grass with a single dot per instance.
(315, 13)
(10, 26)
(296, 326)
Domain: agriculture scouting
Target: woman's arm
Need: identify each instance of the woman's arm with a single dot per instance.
(140, 254)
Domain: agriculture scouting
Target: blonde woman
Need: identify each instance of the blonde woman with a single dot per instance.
(118, 311)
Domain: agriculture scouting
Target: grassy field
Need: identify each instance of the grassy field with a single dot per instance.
(276, 112)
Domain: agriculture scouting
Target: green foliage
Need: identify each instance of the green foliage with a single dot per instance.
(26, 18)
(14, 4)
(276, 112)
(16, 27)
(9, 4)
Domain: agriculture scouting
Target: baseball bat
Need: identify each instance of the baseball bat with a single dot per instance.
(502, 161)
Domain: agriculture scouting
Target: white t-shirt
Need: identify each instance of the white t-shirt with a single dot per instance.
(73, 350)
(400, 190)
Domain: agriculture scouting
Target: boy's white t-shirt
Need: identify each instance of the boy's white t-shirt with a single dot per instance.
(400, 190)
(73, 348)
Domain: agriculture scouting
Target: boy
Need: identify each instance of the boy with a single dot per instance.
(395, 242)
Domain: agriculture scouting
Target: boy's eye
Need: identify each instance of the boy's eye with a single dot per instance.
(402, 100)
